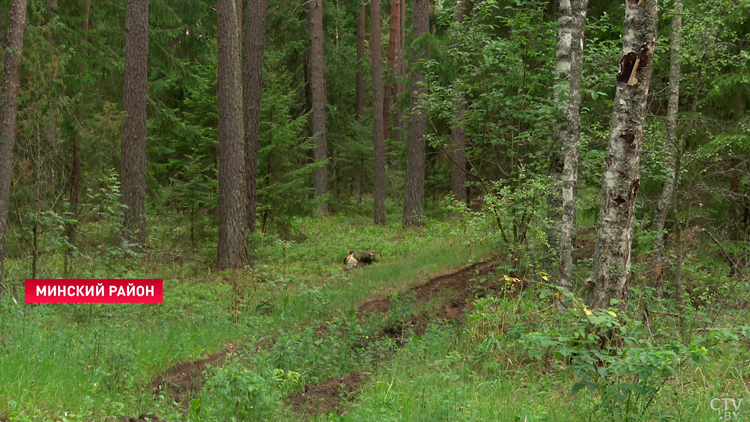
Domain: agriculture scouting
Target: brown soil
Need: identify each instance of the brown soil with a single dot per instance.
(327, 396)
(458, 284)
(184, 380)
(450, 294)
(143, 418)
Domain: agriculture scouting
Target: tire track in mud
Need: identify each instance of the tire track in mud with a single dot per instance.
(450, 294)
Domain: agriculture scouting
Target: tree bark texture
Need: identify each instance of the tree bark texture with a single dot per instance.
(670, 148)
(359, 106)
(394, 46)
(565, 29)
(610, 272)
(75, 175)
(570, 134)
(319, 100)
(133, 153)
(415, 155)
(232, 188)
(378, 136)
(8, 114)
(255, 43)
(458, 134)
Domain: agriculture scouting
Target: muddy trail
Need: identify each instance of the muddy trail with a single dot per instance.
(445, 297)
(449, 296)
(184, 380)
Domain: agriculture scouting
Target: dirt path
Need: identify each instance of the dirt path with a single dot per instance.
(185, 379)
(449, 293)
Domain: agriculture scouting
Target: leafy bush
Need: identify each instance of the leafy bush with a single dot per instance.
(611, 357)
(244, 389)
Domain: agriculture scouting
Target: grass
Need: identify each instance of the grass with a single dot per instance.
(95, 362)
(437, 378)
(98, 359)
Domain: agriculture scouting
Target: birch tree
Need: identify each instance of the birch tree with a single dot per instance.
(610, 271)
(569, 65)
(458, 133)
(671, 147)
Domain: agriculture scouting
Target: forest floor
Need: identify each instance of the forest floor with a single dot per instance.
(441, 329)
(448, 295)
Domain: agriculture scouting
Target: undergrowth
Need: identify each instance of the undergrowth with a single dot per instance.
(290, 319)
(96, 361)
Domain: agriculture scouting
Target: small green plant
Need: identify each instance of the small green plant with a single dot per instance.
(610, 356)
(244, 389)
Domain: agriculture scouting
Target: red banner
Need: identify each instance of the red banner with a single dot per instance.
(94, 291)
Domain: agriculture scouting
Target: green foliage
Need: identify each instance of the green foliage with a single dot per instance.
(611, 356)
(244, 388)
(81, 362)
(513, 219)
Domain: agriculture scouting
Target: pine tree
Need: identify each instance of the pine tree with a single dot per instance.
(8, 114)
(318, 94)
(415, 155)
(133, 152)
(255, 42)
(232, 188)
(378, 139)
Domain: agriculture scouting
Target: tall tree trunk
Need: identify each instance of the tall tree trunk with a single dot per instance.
(238, 11)
(8, 114)
(255, 43)
(394, 44)
(318, 82)
(570, 136)
(378, 136)
(738, 198)
(133, 153)
(399, 116)
(415, 154)
(610, 272)
(563, 58)
(401, 53)
(2, 31)
(458, 134)
(232, 188)
(75, 175)
(359, 107)
(671, 148)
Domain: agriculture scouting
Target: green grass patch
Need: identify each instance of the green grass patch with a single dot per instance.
(96, 361)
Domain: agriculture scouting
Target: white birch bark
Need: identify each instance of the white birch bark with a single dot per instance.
(569, 139)
(610, 273)
(671, 148)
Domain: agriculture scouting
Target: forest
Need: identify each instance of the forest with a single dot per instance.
(366, 210)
